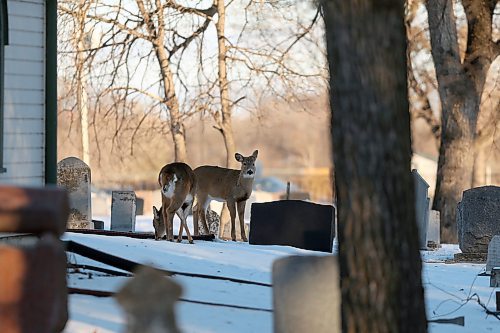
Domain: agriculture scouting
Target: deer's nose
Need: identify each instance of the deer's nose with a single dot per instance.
(250, 172)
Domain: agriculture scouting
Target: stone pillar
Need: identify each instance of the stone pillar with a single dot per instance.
(123, 206)
(74, 175)
(421, 207)
(306, 295)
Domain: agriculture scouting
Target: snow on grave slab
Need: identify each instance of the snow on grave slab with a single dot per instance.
(236, 260)
(219, 258)
(446, 286)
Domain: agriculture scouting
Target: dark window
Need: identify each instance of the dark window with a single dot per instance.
(4, 40)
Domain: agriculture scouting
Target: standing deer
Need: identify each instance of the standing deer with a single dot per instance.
(178, 186)
(229, 185)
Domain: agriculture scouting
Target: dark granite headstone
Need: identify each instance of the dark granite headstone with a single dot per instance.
(296, 223)
(478, 218)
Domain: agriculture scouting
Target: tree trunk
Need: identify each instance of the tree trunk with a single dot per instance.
(454, 173)
(156, 27)
(176, 125)
(379, 257)
(460, 88)
(224, 123)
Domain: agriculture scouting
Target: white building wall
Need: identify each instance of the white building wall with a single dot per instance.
(24, 94)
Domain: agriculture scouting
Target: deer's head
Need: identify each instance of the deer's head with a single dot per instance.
(247, 164)
(158, 224)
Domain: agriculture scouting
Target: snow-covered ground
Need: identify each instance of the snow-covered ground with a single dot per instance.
(447, 286)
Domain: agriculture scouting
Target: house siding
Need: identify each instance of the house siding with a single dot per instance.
(24, 99)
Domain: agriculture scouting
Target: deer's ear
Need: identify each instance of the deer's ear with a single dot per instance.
(255, 153)
(238, 157)
(156, 213)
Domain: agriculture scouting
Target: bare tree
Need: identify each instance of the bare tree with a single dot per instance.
(135, 38)
(461, 85)
(379, 258)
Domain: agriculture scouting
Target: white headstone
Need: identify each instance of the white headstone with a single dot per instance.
(123, 206)
(306, 295)
(74, 175)
(421, 207)
(433, 230)
(493, 253)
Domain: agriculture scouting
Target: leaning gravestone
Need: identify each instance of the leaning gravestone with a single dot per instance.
(478, 218)
(306, 295)
(123, 206)
(295, 223)
(421, 207)
(493, 253)
(74, 175)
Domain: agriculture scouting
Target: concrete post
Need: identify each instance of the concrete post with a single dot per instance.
(306, 295)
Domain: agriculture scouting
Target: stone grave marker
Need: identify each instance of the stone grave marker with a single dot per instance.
(421, 207)
(296, 223)
(139, 206)
(306, 295)
(74, 175)
(493, 253)
(478, 218)
(213, 222)
(123, 206)
(433, 230)
(149, 299)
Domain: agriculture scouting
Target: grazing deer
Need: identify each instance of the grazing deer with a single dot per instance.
(178, 184)
(229, 185)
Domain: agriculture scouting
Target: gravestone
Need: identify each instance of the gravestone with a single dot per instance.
(74, 175)
(306, 295)
(421, 207)
(295, 223)
(433, 230)
(123, 207)
(139, 206)
(478, 218)
(493, 253)
(148, 300)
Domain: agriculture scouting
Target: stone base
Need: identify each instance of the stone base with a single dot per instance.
(476, 258)
(433, 246)
(80, 225)
(98, 225)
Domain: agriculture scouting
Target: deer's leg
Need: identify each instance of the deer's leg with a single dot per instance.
(202, 208)
(231, 205)
(170, 224)
(195, 219)
(184, 221)
(180, 213)
(241, 217)
(165, 217)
